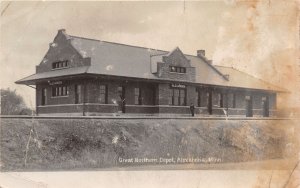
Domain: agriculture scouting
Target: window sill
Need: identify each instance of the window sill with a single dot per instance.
(178, 105)
(60, 96)
(177, 73)
(60, 68)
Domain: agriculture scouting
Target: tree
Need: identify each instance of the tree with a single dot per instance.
(12, 103)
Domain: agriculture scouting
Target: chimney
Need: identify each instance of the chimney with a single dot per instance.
(201, 53)
(61, 30)
(226, 76)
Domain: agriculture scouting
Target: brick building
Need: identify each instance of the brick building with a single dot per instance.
(80, 76)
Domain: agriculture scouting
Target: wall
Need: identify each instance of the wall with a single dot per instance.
(191, 95)
(176, 58)
(70, 99)
(59, 51)
(163, 93)
(65, 109)
(164, 72)
(272, 101)
(149, 90)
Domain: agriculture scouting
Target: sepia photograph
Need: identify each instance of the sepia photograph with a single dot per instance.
(166, 94)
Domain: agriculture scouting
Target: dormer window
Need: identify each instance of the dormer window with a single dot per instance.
(177, 69)
(60, 64)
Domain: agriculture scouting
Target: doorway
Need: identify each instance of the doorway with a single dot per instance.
(77, 94)
(265, 106)
(249, 106)
(209, 102)
(122, 99)
(44, 96)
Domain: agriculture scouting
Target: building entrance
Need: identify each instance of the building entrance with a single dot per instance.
(44, 96)
(249, 106)
(265, 106)
(122, 99)
(209, 102)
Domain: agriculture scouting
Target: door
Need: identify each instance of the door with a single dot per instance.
(249, 106)
(154, 102)
(77, 94)
(44, 96)
(122, 102)
(265, 106)
(209, 102)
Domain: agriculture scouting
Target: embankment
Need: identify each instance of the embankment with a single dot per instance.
(57, 144)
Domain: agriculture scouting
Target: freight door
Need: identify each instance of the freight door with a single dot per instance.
(249, 108)
(209, 102)
(122, 99)
(77, 94)
(265, 106)
(44, 96)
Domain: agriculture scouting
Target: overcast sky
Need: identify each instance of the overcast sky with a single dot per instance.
(256, 37)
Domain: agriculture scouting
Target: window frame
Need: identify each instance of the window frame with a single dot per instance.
(177, 69)
(60, 91)
(177, 100)
(137, 96)
(60, 64)
(103, 87)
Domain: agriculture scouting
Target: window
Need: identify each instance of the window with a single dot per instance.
(103, 94)
(60, 64)
(218, 100)
(177, 69)
(182, 97)
(137, 96)
(170, 96)
(177, 97)
(58, 91)
(121, 92)
(172, 69)
(182, 70)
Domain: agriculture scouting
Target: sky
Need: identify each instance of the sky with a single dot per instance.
(256, 37)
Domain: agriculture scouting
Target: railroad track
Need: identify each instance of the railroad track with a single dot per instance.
(147, 117)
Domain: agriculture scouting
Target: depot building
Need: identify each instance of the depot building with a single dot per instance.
(81, 76)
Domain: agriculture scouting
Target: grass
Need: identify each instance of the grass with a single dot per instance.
(62, 144)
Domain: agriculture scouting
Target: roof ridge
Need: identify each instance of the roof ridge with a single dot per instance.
(222, 66)
(166, 51)
(118, 43)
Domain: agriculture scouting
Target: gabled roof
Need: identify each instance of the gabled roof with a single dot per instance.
(109, 58)
(244, 80)
(31, 80)
(131, 61)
